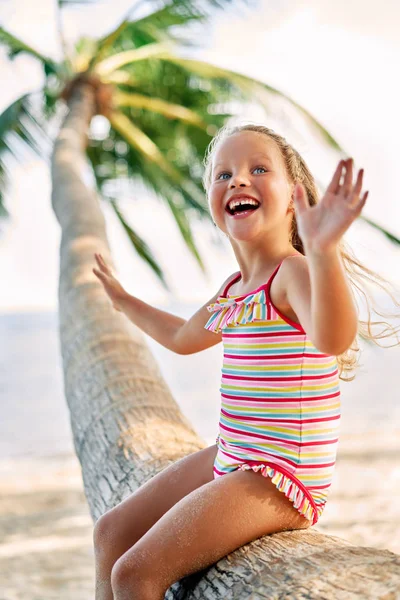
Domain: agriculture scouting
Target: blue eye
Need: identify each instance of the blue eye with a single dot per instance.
(226, 172)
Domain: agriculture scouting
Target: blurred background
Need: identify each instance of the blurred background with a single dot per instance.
(339, 61)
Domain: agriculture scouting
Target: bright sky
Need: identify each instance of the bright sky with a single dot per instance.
(339, 60)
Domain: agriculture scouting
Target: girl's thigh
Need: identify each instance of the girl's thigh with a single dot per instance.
(122, 526)
(204, 526)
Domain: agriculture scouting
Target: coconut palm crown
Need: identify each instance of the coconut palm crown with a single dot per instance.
(162, 109)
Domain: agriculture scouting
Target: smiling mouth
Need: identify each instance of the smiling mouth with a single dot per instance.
(242, 208)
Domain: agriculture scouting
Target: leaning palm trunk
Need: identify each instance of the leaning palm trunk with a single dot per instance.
(125, 422)
(127, 426)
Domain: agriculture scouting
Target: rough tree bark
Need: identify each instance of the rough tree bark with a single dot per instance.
(127, 426)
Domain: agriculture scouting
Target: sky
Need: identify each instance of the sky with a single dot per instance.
(339, 60)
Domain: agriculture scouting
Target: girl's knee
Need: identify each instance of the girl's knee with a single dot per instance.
(103, 531)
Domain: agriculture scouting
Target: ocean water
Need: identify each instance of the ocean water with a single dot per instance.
(35, 418)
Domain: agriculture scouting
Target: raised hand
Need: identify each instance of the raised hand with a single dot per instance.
(321, 226)
(111, 285)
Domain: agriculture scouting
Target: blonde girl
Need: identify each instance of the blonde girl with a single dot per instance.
(288, 321)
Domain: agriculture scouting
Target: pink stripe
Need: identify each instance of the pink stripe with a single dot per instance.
(279, 357)
(327, 376)
(263, 419)
(281, 400)
(285, 335)
(255, 383)
(266, 405)
(260, 436)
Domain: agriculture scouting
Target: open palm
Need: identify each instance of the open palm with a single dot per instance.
(321, 226)
(111, 285)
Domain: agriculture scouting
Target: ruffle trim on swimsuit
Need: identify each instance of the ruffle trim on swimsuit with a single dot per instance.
(233, 310)
(289, 488)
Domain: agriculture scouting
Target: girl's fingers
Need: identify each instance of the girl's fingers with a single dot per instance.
(352, 196)
(300, 199)
(99, 274)
(348, 177)
(102, 264)
(334, 184)
(357, 187)
(363, 200)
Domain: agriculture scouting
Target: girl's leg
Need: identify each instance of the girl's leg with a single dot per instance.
(121, 527)
(206, 525)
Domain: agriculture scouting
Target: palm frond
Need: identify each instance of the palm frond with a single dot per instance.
(16, 46)
(162, 25)
(140, 171)
(20, 130)
(168, 109)
(139, 244)
(391, 237)
(250, 88)
(174, 196)
(155, 27)
(4, 181)
(121, 78)
(145, 52)
(253, 88)
(145, 145)
(112, 175)
(184, 226)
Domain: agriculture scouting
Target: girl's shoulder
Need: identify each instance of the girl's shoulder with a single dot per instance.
(279, 293)
(233, 284)
(228, 283)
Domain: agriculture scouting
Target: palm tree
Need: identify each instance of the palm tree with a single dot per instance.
(126, 425)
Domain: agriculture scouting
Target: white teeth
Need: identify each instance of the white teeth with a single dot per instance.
(233, 203)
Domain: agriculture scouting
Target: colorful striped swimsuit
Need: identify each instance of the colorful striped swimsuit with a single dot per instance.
(280, 399)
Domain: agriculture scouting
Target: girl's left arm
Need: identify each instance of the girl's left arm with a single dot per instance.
(319, 292)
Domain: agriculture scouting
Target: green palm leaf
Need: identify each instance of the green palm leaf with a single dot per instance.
(390, 236)
(251, 88)
(155, 27)
(168, 109)
(143, 143)
(19, 130)
(145, 52)
(161, 25)
(139, 244)
(15, 46)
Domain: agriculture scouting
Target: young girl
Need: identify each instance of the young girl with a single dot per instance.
(284, 319)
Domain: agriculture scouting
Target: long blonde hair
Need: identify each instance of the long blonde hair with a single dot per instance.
(297, 170)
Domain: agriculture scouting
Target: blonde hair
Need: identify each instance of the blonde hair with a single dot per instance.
(297, 170)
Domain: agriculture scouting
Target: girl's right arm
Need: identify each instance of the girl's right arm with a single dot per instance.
(191, 337)
(179, 335)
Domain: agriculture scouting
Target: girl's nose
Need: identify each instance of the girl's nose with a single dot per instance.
(239, 180)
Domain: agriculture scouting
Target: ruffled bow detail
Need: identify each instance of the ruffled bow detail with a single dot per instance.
(237, 311)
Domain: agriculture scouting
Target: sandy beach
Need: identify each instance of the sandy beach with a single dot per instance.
(46, 529)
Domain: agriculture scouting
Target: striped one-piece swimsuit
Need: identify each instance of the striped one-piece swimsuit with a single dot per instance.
(280, 399)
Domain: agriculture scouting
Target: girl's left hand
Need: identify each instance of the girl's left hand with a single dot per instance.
(321, 226)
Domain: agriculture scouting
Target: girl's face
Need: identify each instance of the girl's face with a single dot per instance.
(249, 162)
